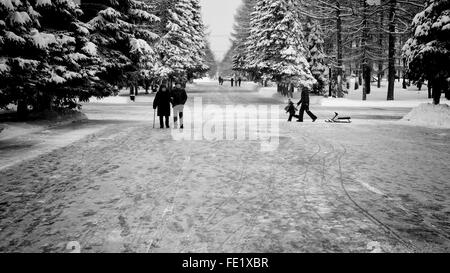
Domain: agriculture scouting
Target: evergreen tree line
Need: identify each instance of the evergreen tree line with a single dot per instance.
(53, 56)
(338, 39)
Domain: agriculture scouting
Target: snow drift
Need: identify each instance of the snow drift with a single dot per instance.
(40, 122)
(429, 115)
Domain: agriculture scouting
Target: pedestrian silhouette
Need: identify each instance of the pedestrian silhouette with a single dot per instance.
(305, 106)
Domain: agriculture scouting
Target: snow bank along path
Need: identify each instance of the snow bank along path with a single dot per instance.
(429, 115)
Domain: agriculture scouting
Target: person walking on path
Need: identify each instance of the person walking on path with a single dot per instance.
(305, 106)
(232, 81)
(162, 102)
(220, 80)
(239, 81)
(290, 108)
(179, 98)
(291, 90)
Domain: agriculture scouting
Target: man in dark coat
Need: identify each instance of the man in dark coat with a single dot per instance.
(179, 98)
(162, 102)
(305, 106)
(232, 81)
(239, 81)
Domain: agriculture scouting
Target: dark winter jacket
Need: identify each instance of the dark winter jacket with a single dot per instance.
(305, 98)
(162, 102)
(179, 97)
(291, 109)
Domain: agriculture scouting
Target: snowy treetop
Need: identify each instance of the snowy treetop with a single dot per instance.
(43, 3)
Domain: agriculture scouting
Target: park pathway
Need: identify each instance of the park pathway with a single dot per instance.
(364, 187)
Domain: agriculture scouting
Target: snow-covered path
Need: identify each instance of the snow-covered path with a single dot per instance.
(369, 186)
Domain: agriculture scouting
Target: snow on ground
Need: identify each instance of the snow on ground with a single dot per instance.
(429, 115)
(205, 80)
(407, 98)
(38, 141)
(326, 188)
(15, 129)
(213, 85)
(122, 99)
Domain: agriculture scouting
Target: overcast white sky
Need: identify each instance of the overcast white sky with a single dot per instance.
(218, 15)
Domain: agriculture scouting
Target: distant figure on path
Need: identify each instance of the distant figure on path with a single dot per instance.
(220, 80)
(232, 81)
(291, 90)
(132, 94)
(154, 88)
(239, 81)
(419, 85)
(305, 106)
(162, 102)
(179, 98)
(290, 108)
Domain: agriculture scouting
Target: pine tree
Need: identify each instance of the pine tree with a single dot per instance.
(276, 45)
(183, 43)
(225, 68)
(241, 33)
(45, 62)
(124, 33)
(333, 16)
(428, 51)
(398, 26)
(210, 62)
(199, 40)
(357, 33)
(314, 41)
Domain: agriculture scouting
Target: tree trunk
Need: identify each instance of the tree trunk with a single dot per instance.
(380, 44)
(43, 102)
(367, 79)
(437, 91)
(365, 85)
(380, 75)
(132, 95)
(147, 86)
(404, 74)
(365, 59)
(430, 90)
(340, 93)
(22, 109)
(330, 84)
(391, 57)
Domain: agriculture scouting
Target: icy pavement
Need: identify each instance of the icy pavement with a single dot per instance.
(371, 186)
